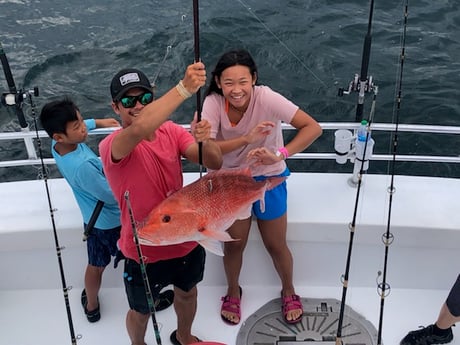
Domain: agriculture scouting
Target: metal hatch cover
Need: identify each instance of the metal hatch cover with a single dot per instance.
(318, 325)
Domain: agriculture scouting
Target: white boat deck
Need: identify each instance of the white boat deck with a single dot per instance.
(38, 317)
(422, 260)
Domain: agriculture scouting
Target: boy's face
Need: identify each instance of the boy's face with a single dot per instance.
(76, 132)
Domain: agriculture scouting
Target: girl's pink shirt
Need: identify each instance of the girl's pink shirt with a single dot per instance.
(264, 105)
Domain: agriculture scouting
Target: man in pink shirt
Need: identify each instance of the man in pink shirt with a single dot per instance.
(144, 159)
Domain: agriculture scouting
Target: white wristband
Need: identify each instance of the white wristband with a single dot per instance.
(183, 91)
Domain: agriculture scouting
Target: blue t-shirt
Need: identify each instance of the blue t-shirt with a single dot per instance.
(82, 169)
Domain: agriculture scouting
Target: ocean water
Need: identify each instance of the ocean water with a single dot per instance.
(304, 49)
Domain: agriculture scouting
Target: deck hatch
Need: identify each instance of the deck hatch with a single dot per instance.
(319, 325)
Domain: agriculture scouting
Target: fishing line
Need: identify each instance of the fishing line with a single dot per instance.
(384, 288)
(168, 51)
(281, 42)
(65, 289)
(148, 290)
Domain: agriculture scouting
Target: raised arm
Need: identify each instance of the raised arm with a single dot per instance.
(154, 114)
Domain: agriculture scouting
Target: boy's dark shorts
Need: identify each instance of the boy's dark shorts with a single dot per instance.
(184, 273)
(102, 245)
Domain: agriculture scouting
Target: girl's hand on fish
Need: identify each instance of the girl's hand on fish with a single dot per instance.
(195, 77)
(262, 156)
(260, 132)
(201, 131)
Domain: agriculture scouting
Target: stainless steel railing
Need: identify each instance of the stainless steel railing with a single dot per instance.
(29, 138)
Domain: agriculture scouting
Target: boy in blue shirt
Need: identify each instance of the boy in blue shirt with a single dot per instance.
(82, 169)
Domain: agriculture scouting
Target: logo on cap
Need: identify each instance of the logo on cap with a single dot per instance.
(129, 78)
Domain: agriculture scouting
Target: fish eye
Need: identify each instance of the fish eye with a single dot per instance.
(166, 219)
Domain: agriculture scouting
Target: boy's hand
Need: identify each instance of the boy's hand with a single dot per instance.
(105, 123)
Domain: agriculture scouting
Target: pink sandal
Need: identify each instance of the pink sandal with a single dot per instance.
(289, 303)
(231, 305)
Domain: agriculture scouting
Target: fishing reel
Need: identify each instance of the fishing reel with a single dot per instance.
(356, 85)
(16, 98)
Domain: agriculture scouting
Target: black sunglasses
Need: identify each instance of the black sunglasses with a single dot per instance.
(130, 101)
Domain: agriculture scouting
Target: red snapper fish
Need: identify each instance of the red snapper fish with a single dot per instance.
(203, 210)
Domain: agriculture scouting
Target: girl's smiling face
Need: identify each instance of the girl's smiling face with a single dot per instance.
(236, 83)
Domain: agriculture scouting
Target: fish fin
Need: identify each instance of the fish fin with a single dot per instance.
(222, 236)
(230, 171)
(144, 242)
(213, 246)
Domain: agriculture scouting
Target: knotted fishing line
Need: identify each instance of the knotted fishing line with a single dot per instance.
(148, 290)
(168, 51)
(387, 238)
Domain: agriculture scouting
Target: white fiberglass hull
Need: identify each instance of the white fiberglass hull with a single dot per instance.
(421, 261)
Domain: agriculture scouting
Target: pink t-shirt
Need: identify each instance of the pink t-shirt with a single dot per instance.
(150, 173)
(265, 105)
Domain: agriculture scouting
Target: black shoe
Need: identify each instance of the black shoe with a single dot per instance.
(425, 336)
(165, 299)
(93, 315)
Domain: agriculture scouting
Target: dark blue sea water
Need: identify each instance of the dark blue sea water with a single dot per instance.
(305, 49)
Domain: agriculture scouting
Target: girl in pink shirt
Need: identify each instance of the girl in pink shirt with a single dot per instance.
(246, 122)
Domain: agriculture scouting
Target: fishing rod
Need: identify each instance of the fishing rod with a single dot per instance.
(358, 84)
(352, 225)
(362, 83)
(196, 39)
(65, 289)
(387, 237)
(15, 98)
(148, 290)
